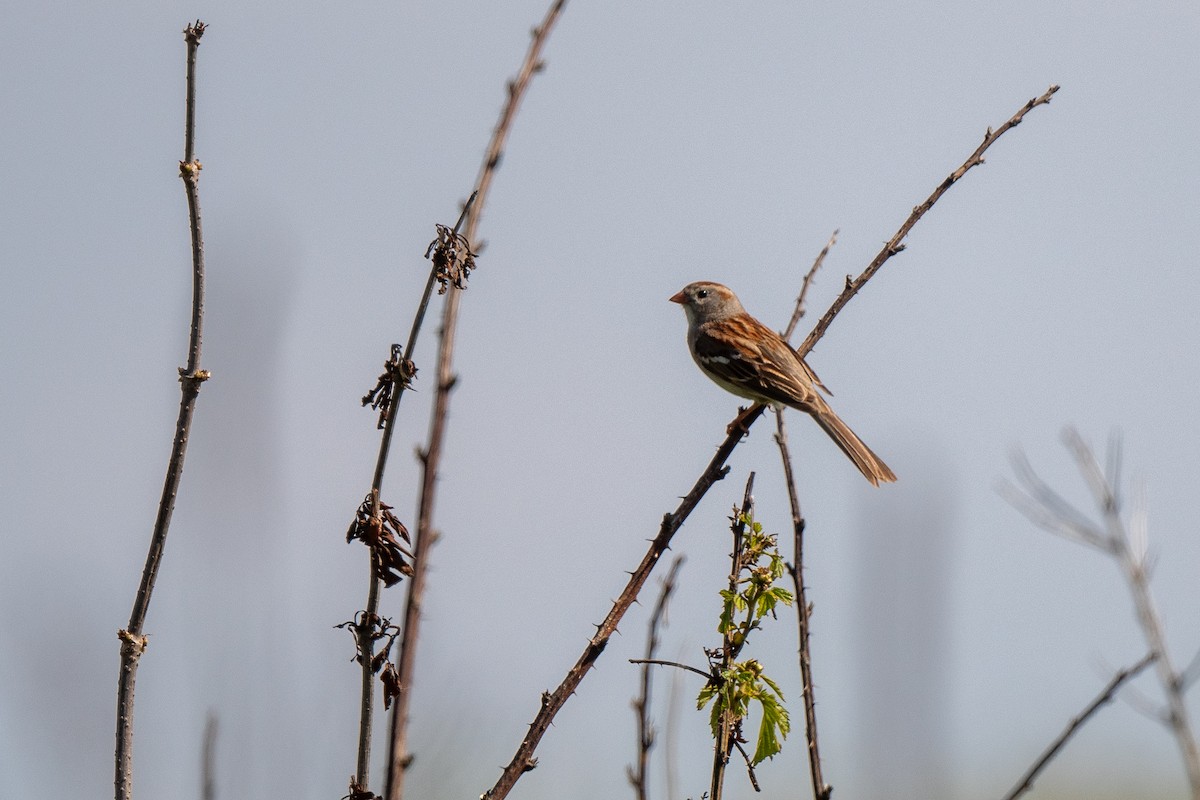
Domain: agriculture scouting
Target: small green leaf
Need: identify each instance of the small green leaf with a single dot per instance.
(775, 726)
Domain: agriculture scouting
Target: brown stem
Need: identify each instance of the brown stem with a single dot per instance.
(726, 739)
(677, 664)
(133, 640)
(896, 243)
(821, 790)
(800, 309)
(552, 702)
(367, 630)
(431, 455)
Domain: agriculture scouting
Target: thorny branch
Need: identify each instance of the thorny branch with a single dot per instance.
(458, 267)
(821, 790)
(1112, 535)
(374, 524)
(133, 640)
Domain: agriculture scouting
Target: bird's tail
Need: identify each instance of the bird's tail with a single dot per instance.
(869, 464)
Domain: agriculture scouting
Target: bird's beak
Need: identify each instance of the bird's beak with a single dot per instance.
(678, 298)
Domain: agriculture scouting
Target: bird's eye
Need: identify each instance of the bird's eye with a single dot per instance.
(703, 293)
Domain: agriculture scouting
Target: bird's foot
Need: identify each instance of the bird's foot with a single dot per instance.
(739, 425)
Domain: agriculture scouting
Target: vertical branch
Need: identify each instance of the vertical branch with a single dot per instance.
(369, 626)
(726, 739)
(639, 775)
(365, 634)
(133, 639)
(431, 455)
(821, 790)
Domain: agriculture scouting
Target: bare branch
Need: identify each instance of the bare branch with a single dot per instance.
(1106, 695)
(1046, 508)
(821, 790)
(749, 766)
(133, 640)
(677, 664)
(638, 775)
(804, 286)
(431, 460)
(552, 702)
(896, 243)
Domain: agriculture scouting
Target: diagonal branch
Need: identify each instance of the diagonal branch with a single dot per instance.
(552, 702)
(1106, 695)
(896, 243)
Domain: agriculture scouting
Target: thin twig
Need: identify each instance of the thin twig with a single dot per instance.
(1105, 696)
(749, 765)
(639, 774)
(677, 664)
(800, 308)
(208, 759)
(821, 790)
(1047, 509)
(431, 455)
(727, 735)
(896, 243)
(523, 760)
(133, 640)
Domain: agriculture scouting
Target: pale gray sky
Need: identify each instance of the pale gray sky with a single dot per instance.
(664, 143)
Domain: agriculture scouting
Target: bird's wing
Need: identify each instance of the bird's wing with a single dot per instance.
(751, 360)
(812, 376)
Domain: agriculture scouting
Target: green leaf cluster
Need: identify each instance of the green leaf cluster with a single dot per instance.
(734, 689)
(735, 684)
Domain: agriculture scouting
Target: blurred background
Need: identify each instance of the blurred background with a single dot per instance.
(664, 143)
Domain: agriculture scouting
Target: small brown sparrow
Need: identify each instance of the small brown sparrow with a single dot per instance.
(745, 357)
